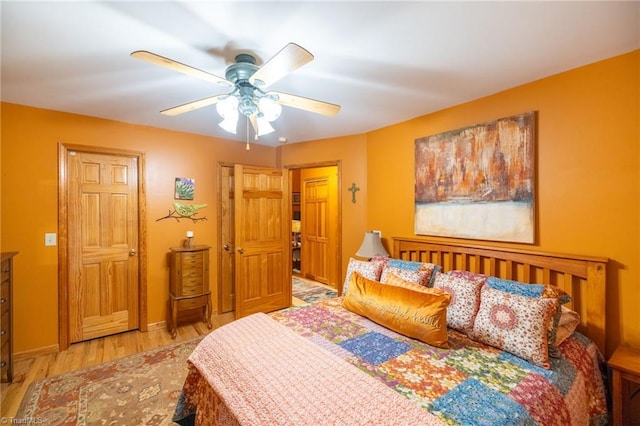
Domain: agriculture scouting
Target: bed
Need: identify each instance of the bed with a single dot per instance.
(340, 362)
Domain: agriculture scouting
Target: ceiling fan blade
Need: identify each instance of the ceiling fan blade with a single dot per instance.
(181, 109)
(180, 67)
(306, 104)
(288, 59)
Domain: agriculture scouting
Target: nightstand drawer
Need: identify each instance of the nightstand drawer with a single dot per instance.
(625, 385)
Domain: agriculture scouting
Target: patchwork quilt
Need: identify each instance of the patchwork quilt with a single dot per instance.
(468, 384)
(255, 371)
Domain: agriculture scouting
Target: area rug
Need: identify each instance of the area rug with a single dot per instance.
(140, 389)
(309, 292)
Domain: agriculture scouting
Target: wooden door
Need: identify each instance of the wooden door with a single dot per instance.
(102, 225)
(226, 287)
(262, 238)
(319, 214)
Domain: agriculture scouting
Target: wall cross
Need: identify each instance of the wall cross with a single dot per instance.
(353, 190)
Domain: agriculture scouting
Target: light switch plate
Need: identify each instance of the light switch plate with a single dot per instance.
(50, 239)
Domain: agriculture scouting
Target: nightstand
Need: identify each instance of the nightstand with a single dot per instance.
(189, 283)
(625, 385)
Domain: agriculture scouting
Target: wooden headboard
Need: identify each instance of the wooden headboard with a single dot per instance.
(582, 277)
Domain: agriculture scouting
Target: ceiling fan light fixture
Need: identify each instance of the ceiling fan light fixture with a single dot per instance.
(247, 106)
(271, 110)
(230, 124)
(264, 127)
(227, 106)
(228, 110)
(248, 81)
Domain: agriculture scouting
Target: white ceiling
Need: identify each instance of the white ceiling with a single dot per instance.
(384, 62)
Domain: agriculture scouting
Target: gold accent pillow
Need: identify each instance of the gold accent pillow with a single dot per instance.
(419, 315)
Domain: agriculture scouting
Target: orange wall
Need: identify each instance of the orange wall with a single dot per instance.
(30, 138)
(588, 184)
(587, 180)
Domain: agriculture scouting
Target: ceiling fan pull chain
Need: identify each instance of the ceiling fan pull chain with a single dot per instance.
(247, 120)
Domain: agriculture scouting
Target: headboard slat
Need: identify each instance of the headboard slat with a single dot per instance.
(509, 271)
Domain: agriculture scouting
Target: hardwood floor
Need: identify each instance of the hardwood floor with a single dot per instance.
(92, 352)
(96, 351)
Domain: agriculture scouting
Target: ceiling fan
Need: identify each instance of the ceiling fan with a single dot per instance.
(248, 83)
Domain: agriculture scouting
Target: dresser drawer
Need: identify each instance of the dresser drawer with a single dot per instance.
(194, 302)
(4, 338)
(5, 303)
(192, 285)
(4, 366)
(192, 260)
(193, 273)
(5, 334)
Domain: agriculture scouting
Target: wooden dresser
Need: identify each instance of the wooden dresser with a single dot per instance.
(189, 283)
(6, 324)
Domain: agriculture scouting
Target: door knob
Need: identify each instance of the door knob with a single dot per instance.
(226, 247)
(132, 252)
(240, 250)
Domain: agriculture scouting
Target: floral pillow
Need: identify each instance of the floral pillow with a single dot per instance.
(416, 277)
(394, 280)
(469, 275)
(529, 290)
(380, 258)
(409, 265)
(465, 298)
(515, 323)
(370, 270)
(536, 291)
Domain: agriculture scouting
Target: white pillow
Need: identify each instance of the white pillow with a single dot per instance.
(567, 324)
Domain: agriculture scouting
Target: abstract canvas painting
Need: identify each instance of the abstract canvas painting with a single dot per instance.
(478, 182)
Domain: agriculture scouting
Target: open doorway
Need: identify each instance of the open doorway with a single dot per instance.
(316, 224)
(296, 224)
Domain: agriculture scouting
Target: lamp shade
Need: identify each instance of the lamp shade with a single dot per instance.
(371, 246)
